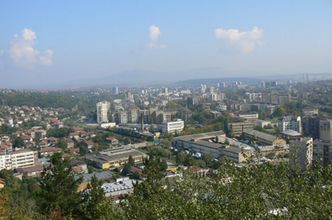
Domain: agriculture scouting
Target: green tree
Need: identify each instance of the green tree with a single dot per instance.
(18, 142)
(279, 112)
(83, 148)
(180, 157)
(131, 160)
(59, 189)
(6, 129)
(208, 159)
(95, 205)
(126, 169)
(62, 144)
(58, 132)
(189, 160)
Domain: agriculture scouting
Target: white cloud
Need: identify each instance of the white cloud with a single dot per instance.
(246, 41)
(154, 35)
(22, 50)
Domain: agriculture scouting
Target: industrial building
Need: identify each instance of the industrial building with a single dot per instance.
(217, 144)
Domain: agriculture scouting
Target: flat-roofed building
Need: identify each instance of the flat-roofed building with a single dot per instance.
(100, 161)
(262, 138)
(214, 143)
(18, 159)
(109, 159)
(119, 159)
(32, 171)
(291, 135)
(249, 117)
(172, 127)
(23, 158)
(238, 127)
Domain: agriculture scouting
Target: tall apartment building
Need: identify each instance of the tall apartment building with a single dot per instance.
(290, 123)
(121, 117)
(115, 90)
(323, 152)
(102, 112)
(162, 117)
(325, 130)
(17, 159)
(216, 96)
(133, 115)
(301, 153)
(254, 97)
(311, 126)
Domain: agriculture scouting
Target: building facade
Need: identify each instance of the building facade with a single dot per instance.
(323, 152)
(102, 112)
(290, 123)
(173, 127)
(325, 130)
(301, 153)
(18, 159)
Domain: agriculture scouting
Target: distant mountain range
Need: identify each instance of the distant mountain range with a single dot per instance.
(254, 79)
(160, 79)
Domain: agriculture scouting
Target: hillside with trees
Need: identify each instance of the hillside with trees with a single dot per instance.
(252, 192)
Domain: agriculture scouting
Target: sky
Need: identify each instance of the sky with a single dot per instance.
(46, 44)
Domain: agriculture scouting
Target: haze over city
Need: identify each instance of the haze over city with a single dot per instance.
(57, 44)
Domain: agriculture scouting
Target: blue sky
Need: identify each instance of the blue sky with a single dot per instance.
(48, 43)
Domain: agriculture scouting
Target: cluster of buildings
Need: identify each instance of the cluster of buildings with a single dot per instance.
(124, 113)
(238, 150)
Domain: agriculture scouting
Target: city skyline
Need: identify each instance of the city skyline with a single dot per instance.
(66, 43)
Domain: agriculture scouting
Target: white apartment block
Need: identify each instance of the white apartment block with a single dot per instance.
(102, 112)
(173, 126)
(5, 162)
(17, 159)
(290, 123)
